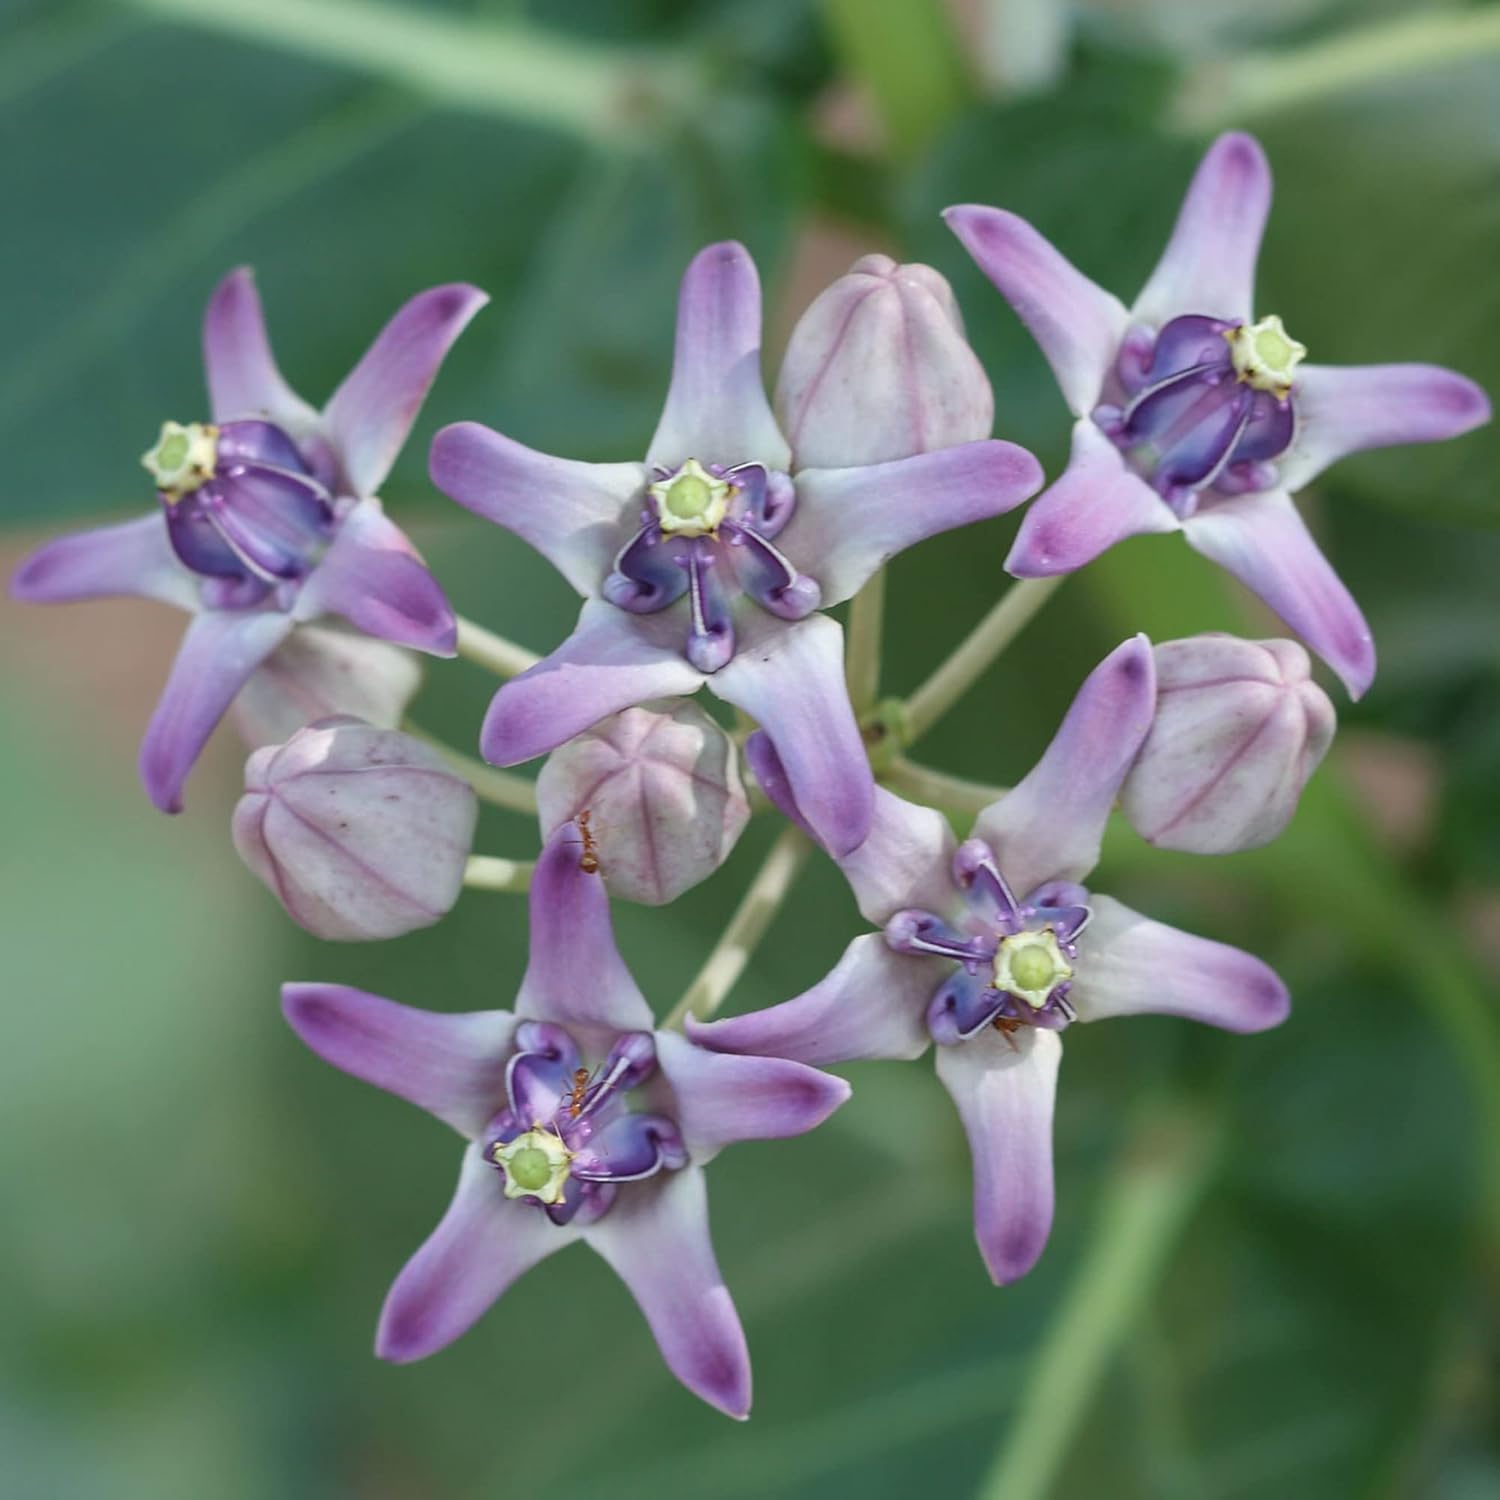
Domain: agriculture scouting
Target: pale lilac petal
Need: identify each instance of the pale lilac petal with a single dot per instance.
(451, 1065)
(372, 576)
(850, 522)
(612, 661)
(131, 559)
(1050, 826)
(1129, 965)
(1266, 545)
(1345, 409)
(716, 410)
(1077, 323)
(219, 652)
(575, 974)
(484, 1242)
(243, 380)
(657, 1241)
(1208, 266)
(871, 1005)
(907, 860)
(1004, 1087)
(720, 1098)
(368, 417)
(576, 515)
(790, 680)
(1096, 502)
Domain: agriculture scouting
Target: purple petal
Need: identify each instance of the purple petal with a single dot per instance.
(721, 1098)
(1095, 503)
(612, 661)
(1344, 410)
(243, 380)
(535, 1084)
(656, 1239)
(369, 416)
(133, 558)
(1129, 965)
(961, 1006)
(451, 1065)
(871, 1006)
(790, 679)
(575, 974)
(628, 1148)
(1208, 266)
(484, 1242)
(218, 653)
(716, 410)
(372, 576)
(1004, 1088)
(1266, 545)
(576, 515)
(907, 860)
(1077, 324)
(849, 522)
(1049, 827)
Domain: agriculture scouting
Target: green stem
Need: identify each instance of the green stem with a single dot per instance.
(493, 652)
(485, 872)
(953, 794)
(866, 626)
(502, 788)
(1167, 1164)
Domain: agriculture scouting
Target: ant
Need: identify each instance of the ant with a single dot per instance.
(1008, 1026)
(578, 1087)
(589, 860)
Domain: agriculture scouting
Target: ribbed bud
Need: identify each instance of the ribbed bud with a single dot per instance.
(360, 832)
(1239, 728)
(661, 788)
(878, 368)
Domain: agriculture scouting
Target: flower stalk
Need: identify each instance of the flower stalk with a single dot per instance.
(499, 788)
(865, 631)
(493, 652)
(953, 794)
(486, 872)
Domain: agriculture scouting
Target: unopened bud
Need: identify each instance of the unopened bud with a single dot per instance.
(360, 832)
(1239, 728)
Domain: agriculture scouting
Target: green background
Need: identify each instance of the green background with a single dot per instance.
(198, 1220)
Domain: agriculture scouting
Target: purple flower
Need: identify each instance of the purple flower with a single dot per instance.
(708, 562)
(584, 1124)
(993, 948)
(268, 517)
(1195, 417)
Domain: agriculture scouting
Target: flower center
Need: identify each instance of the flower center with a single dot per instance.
(1265, 354)
(1031, 965)
(183, 459)
(692, 501)
(536, 1165)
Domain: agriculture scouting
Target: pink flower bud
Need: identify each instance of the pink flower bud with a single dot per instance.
(661, 787)
(878, 368)
(360, 832)
(1239, 728)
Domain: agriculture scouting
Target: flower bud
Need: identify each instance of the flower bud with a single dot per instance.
(878, 368)
(1239, 728)
(320, 671)
(360, 832)
(661, 789)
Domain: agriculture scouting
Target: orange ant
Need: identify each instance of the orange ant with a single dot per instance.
(578, 1087)
(1008, 1026)
(589, 861)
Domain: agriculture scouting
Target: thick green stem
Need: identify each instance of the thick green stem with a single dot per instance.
(862, 660)
(493, 652)
(485, 872)
(502, 788)
(953, 794)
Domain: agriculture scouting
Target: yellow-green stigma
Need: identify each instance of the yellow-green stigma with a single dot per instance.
(692, 501)
(1265, 355)
(183, 458)
(535, 1165)
(1030, 965)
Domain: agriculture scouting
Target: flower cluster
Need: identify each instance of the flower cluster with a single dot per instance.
(711, 560)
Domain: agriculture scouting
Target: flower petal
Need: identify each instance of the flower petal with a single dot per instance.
(1004, 1087)
(1095, 502)
(368, 417)
(133, 558)
(1345, 409)
(849, 522)
(716, 410)
(1266, 545)
(1129, 965)
(576, 515)
(721, 1098)
(243, 380)
(612, 661)
(1050, 825)
(219, 652)
(372, 576)
(451, 1065)
(790, 679)
(575, 974)
(1208, 266)
(484, 1242)
(657, 1242)
(1077, 323)
(871, 1005)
